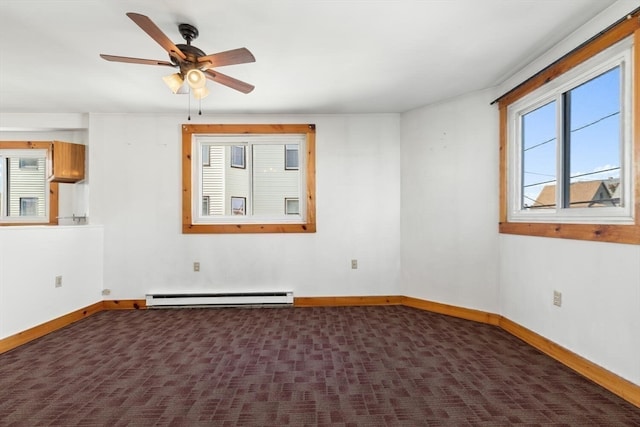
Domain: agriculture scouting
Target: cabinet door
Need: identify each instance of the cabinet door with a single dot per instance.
(67, 162)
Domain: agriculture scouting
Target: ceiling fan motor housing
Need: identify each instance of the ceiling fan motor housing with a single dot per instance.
(192, 53)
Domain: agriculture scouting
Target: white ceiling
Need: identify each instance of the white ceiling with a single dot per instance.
(312, 56)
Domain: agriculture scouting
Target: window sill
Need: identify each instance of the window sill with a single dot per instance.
(248, 228)
(593, 232)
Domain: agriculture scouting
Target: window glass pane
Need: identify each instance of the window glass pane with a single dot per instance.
(24, 189)
(539, 157)
(272, 183)
(594, 142)
(221, 180)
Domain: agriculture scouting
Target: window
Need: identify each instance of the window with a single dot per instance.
(237, 156)
(29, 206)
(238, 206)
(567, 145)
(205, 155)
(291, 160)
(26, 195)
(28, 163)
(291, 207)
(569, 159)
(205, 204)
(248, 178)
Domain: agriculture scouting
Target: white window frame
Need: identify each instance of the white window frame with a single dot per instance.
(619, 54)
(18, 220)
(247, 141)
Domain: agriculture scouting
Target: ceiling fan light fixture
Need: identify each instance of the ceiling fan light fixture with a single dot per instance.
(190, 60)
(174, 81)
(200, 92)
(196, 79)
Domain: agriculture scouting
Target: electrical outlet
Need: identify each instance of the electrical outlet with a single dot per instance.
(557, 298)
(196, 266)
(354, 264)
(58, 281)
(106, 292)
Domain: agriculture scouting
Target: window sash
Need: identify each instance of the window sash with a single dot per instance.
(247, 142)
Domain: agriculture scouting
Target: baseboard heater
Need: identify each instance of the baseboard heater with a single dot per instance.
(232, 299)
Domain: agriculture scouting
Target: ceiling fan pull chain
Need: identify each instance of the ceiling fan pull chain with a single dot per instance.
(189, 108)
(200, 107)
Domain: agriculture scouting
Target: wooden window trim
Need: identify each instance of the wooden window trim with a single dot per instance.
(53, 186)
(188, 131)
(593, 232)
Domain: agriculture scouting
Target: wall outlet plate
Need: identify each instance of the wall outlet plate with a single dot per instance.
(557, 298)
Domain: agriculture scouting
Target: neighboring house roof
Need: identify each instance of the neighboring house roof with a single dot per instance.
(613, 185)
(583, 194)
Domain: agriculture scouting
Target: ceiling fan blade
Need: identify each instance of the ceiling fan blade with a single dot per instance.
(229, 81)
(155, 33)
(230, 57)
(135, 60)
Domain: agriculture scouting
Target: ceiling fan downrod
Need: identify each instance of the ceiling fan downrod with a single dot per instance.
(188, 32)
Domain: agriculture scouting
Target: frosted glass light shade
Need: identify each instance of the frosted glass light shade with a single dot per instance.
(174, 81)
(200, 92)
(196, 79)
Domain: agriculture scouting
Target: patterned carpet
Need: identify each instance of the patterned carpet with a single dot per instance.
(345, 366)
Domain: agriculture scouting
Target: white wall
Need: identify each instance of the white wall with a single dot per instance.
(449, 161)
(600, 284)
(136, 194)
(31, 258)
(452, 252)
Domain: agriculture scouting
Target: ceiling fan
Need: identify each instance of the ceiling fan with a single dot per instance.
(195, 65)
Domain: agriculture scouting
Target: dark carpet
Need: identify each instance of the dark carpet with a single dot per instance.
(343, 366)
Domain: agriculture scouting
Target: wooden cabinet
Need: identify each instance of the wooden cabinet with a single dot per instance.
(67, 162)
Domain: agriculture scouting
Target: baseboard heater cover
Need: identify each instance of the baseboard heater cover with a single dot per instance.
(229, 299)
